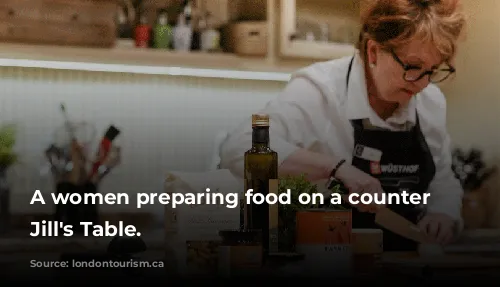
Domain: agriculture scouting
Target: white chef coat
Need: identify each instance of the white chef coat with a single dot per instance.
(314, 112)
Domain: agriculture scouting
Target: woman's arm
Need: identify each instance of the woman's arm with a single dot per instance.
(316, 166)
(445, 189)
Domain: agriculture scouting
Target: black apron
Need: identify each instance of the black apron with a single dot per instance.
(405, 164)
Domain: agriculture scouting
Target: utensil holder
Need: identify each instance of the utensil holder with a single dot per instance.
(73, 214)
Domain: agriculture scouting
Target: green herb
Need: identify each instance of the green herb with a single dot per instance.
(287, 212)
(7, 141)
(296, 185)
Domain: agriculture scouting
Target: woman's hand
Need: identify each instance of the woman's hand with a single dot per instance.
(440, 227)
(357, 181)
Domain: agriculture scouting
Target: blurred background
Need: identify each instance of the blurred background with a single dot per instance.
(173, 75)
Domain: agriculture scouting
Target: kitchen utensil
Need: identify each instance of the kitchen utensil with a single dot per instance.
(78, 171)
(112, 159)
(83, 131)
(396, 223)
(55, 157)
(389, 219)
(104, 148)
(67, 122)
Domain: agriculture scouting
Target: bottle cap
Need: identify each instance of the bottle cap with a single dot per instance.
(163, 19)
(260, 120)
(181, 22)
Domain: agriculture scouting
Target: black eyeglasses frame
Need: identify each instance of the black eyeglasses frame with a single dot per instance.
(451, 70)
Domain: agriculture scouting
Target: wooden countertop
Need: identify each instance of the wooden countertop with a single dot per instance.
(18, 241)
(490, 235)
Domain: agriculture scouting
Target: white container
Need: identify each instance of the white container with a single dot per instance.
(183, 35)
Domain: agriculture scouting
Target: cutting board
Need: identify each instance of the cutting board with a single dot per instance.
(480, 236)
(447, 261)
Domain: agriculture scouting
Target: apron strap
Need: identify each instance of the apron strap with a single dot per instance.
(348, 74)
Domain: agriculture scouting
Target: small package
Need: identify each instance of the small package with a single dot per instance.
(193, 229)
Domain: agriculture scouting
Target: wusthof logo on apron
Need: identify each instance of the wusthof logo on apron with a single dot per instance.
(377, 168)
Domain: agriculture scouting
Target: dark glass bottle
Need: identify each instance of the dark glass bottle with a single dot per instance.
(261, 167)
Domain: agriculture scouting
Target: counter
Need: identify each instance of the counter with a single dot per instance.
(16, 268)
(17, 250)
(19, 242)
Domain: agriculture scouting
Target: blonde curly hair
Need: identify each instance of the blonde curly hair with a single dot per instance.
(394, 23)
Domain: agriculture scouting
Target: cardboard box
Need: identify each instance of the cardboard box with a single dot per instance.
(248, 38)
(191, 228)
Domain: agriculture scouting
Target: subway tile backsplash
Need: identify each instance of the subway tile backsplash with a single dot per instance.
(167, 123)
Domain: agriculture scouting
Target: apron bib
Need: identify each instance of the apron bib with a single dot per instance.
(403, 161)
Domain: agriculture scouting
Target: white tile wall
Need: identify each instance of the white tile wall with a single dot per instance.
(167, 122)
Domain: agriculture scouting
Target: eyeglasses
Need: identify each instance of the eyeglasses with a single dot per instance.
(413, 73)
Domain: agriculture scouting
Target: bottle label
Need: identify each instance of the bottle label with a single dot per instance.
(273, 218)
(253, 211)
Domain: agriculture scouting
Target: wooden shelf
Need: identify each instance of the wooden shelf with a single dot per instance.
(148, 61)
(284, 55)
(145, 57)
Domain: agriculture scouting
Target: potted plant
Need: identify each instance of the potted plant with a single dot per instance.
(288, 212)
(7, 158)
(470, 169)
(472, 172)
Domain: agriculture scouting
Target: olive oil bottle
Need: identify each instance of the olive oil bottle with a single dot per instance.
(261, 175)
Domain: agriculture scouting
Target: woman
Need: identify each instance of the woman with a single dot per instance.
(375, 121)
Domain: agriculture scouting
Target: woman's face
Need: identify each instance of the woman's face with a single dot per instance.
(387, 72)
